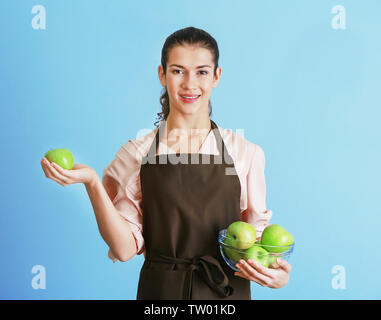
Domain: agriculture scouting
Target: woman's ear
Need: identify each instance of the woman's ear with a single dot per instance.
(160, 71)
(217, 77)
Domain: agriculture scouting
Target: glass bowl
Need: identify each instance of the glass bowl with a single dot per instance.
(260, 253)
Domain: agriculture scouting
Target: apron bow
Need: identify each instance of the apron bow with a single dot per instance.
(212, 273)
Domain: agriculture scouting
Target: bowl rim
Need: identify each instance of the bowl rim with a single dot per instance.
(221, 235)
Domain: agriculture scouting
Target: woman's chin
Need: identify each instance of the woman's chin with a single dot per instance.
(189, 109)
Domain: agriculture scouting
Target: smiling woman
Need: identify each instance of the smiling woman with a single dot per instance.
(173, 212)
(176, 49)
(176, 210)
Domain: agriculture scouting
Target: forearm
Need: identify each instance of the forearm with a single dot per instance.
(114, 229)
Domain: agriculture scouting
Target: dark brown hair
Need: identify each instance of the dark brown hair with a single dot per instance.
(191, 36)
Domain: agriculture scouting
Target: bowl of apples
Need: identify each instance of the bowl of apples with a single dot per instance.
(238, 242)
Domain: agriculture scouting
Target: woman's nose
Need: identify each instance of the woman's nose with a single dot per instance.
(190, 82)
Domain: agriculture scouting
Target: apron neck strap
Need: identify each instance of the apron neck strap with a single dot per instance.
(223, 152)
(220, 142)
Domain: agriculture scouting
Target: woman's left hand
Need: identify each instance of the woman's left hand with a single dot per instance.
(266, 277)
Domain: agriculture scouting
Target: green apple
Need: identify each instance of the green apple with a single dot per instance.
(63, 157)
(259, 254)
(272, 261)
(276, 235)
(232, 254)
(242, 234)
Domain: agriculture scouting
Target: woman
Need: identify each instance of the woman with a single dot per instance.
(168, 193)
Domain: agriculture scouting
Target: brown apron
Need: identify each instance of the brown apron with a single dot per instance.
(184, 205)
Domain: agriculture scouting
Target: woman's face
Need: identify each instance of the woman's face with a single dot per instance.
(189, 73)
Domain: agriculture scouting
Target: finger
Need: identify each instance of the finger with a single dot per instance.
(55, 175)
(72, 175)
(49, 175)
(45, 164)
(58, 173)
(78, 166)
(253, 273)
(259, 268)
(284, 265)
(244, 276)
(46, 167)
(61, 170)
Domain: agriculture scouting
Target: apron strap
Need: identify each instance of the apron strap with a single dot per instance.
(222, 150)
(206, 263)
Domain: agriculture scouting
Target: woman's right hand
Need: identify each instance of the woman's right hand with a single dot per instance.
(80, 173)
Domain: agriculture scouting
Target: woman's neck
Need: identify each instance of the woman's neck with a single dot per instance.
(186, 133)
(189, 123)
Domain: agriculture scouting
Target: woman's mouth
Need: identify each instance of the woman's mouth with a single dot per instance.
(189, 99)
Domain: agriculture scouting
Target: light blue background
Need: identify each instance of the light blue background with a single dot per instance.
(309, 95)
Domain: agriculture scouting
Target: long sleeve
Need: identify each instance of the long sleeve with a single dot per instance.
(123, 171)
(256, 213)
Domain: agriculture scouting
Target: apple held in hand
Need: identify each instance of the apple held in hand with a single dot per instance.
(232, 254)
(276, 235)
(259, 254)
(271, 256)
(63, 157)
(241, 234)
(272, 261)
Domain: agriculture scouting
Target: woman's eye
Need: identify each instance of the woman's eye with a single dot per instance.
(203, 72)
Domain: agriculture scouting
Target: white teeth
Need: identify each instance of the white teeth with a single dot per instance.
(185, 97)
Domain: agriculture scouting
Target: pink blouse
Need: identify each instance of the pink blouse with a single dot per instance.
(249, 162)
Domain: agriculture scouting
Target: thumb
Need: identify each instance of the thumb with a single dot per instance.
(283, 264)
(79, 166)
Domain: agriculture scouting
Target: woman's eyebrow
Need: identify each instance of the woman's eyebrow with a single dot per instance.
(178, 66)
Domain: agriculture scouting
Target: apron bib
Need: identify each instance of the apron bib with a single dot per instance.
(185, 203)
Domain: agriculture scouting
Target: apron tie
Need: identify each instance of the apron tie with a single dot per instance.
(218, 280)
